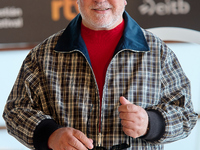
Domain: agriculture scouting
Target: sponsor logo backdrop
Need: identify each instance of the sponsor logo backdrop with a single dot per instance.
(166, 13)
(26, 21)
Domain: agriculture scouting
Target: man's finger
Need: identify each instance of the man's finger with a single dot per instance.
(130, 132)
(127, 106)
(124, 101)
(128, 124)
(83, 139)
(128, 116)
(75, 143)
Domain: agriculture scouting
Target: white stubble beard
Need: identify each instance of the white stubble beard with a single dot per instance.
(97, 21)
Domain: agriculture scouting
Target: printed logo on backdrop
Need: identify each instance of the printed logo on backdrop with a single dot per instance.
(170, 19)
(69, 7)
(165, 13)
(11, 17)
(25, 21)
(168, 7)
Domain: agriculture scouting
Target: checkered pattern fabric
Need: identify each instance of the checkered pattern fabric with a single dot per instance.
(61, 86)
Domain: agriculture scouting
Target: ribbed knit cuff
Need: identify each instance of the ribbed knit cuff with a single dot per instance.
(43, 132)
(156, 126)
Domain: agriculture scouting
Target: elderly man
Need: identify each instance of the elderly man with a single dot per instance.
(102, 83)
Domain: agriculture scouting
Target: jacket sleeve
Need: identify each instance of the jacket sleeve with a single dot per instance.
(27, 105)
(175, 99)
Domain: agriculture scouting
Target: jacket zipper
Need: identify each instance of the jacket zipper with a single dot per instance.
(100, 104)
(100, 108)
(100, 123)
(99, 139)
(99, 119)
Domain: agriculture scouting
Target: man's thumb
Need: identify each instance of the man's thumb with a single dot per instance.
(124, 101)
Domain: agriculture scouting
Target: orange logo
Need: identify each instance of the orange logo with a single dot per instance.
(68, 7)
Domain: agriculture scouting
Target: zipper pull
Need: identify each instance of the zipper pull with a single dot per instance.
(99, 139)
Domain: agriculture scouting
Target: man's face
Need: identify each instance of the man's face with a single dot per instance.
(101, 14)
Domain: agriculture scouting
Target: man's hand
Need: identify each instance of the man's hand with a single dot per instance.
(134, 119)
(69, 138)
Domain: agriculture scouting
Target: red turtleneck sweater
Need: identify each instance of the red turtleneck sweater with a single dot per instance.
(101, 45)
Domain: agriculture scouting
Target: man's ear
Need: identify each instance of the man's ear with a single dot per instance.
(125, 2)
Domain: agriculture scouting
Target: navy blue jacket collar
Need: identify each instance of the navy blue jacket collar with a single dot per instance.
(132, 39)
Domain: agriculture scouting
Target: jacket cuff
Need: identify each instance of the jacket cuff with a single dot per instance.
(43, 132)
(156, 126)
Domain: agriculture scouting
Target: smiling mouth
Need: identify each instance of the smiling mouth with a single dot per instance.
(101, 9)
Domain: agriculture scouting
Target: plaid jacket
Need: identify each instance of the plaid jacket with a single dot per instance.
(56, 82)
